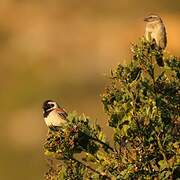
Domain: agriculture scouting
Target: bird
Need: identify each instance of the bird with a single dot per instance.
(155, 31)
(54, 115)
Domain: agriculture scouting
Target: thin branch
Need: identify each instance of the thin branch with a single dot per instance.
(99, 141)
(88, 167)
(161, 150)
(103, 143)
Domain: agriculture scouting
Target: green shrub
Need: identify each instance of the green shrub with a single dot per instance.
(143, 106)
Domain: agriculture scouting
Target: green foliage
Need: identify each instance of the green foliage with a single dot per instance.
(77, 136)
(143, 106)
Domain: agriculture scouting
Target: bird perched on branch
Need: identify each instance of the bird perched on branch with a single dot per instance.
(55, 117)
(155, 31)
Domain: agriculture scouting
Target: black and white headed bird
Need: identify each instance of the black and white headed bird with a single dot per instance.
(53, 114)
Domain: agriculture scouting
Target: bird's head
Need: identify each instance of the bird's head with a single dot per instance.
(49, 105)
(152, 18)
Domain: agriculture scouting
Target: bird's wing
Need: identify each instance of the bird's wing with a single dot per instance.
(62, 113)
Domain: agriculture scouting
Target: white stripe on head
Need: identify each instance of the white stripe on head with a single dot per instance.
(54, 104)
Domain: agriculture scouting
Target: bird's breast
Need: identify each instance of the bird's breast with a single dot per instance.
(54, 119)
(157, 32)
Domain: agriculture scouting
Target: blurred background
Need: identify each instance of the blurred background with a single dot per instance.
(62, 50)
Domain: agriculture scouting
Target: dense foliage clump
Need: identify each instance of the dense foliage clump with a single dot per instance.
(143, 107)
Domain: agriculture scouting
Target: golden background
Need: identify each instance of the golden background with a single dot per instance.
(62, 50)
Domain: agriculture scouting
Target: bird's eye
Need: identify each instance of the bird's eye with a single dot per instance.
(51, 105)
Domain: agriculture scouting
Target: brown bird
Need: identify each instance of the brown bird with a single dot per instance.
(156, 31)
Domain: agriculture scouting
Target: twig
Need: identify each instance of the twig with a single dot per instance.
(99, 141)
(103, 143)
(161, 150)
(88, 167)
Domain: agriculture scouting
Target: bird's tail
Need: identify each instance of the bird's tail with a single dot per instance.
(159, 59)
(84, 138)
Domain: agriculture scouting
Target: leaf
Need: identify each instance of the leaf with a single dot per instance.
(162, 164)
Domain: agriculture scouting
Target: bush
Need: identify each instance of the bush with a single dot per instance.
(143, 106)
